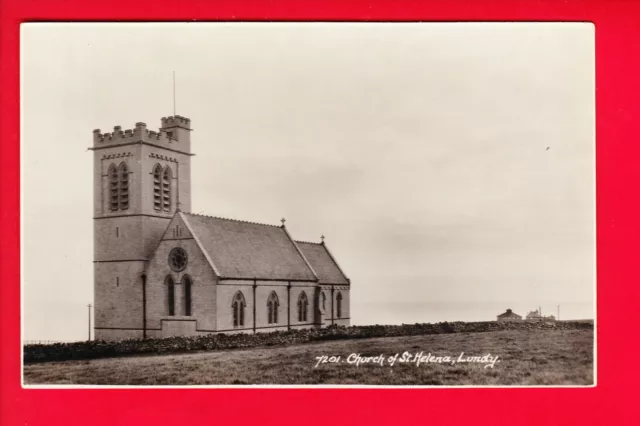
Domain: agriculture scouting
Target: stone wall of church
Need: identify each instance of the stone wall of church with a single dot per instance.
(179, 326)
(345, 315)
(203, 294)
(263, 291)
(287, 314)
(225, 292)
(324, 309)
(117, 334)
(310, 291)
(330, 313)
(118, 300)
(127, 237)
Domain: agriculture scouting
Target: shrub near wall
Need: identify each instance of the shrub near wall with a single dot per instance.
(212, 342)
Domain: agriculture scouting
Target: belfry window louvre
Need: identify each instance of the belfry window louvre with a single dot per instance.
(113, 188)
(123, 187)
(157, 187)
(166, 189)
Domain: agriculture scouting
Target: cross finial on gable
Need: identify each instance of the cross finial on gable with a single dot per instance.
(322, 238)
(283, 220)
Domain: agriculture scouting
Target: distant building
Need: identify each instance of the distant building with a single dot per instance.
(509, 316)
(537, 316)
(534, 315)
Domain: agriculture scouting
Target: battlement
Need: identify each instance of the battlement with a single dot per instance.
(176, 121)
(163, 137)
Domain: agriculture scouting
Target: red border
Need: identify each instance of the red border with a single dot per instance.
(618, 107)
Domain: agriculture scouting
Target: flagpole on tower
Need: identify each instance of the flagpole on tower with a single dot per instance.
(174, 93)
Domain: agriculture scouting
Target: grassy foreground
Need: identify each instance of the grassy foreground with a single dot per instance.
(525, 357)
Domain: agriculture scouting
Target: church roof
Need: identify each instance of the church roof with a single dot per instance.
(322, 263)
(239, 249)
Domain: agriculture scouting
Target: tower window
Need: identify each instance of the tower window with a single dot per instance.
(113, 188)
(157, 187)
(123, 187)
(166, 189)
(339, 305)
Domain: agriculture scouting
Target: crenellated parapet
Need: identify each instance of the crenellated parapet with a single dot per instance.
(165, 137)
(176, 121)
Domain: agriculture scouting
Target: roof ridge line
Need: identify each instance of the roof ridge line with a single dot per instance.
(232, 220)
(307, 242)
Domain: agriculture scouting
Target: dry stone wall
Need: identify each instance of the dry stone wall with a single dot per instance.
(215, 342)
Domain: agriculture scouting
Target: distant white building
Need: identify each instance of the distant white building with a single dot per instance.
(534, 315)
(537, 316)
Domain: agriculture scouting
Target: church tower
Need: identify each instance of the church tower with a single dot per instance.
(141, 177)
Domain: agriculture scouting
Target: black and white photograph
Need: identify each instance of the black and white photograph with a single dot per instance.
(308, 204)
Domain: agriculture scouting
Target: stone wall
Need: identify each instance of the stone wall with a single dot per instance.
(212, 342)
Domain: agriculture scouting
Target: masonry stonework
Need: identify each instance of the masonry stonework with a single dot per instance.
(144, 240)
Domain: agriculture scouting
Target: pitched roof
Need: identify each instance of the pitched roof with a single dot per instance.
(238, 249)
(509, 313)
(322, 263)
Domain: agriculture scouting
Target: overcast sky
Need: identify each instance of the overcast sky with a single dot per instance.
(450, 166)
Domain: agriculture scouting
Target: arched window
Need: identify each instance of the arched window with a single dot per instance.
(171, 295)
(157, 187)
(238, 306)
(113, 188)
(339, 305)
(166, 189)
(186, 283)
(123, 186)
(302, 307)
(272, 308)
(323, 299)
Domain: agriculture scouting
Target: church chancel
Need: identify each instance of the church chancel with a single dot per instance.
(162, 271)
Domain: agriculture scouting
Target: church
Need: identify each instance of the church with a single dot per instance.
(162, 271)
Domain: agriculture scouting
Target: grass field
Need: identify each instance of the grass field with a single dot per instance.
(550, 357)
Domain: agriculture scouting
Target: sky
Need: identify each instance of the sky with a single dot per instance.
(449, 165)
